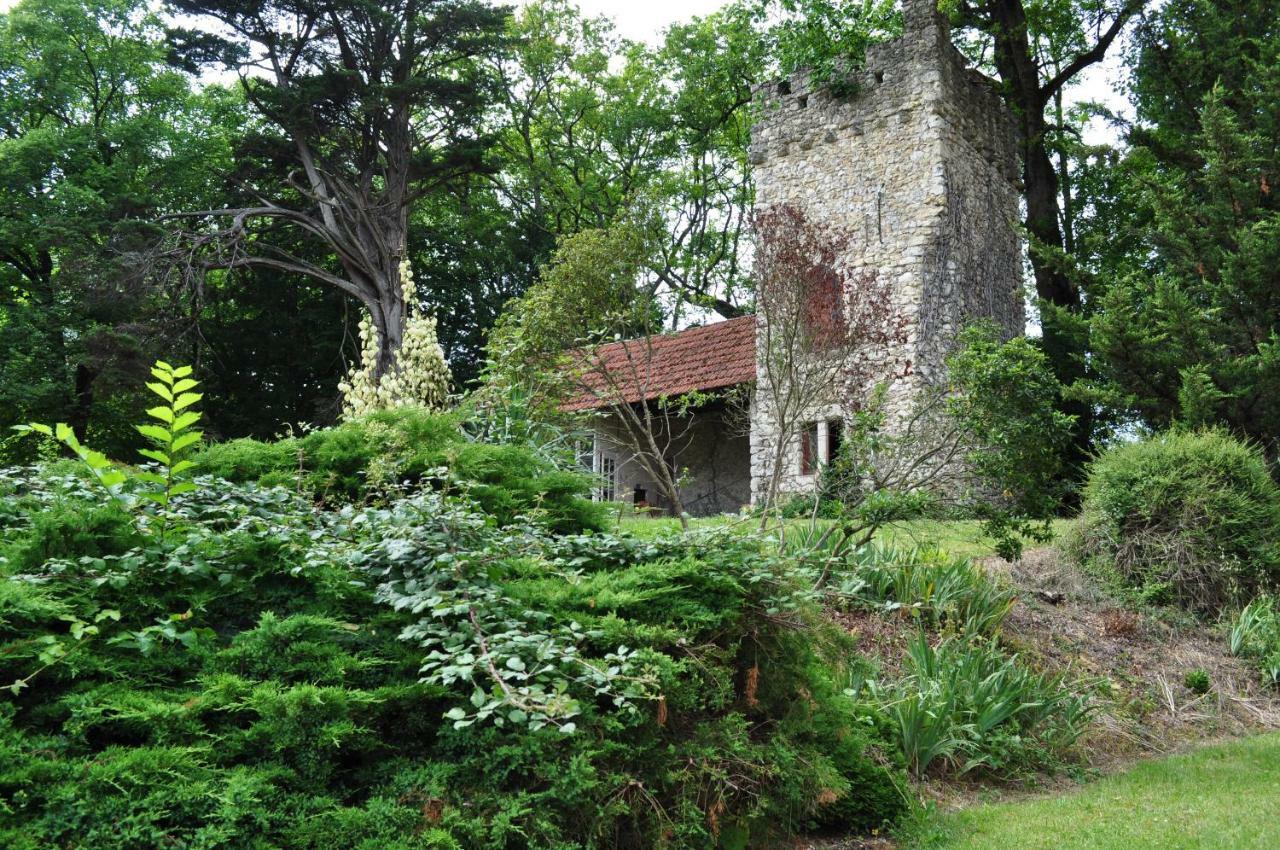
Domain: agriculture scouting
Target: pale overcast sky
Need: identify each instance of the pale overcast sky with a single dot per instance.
(643, 21)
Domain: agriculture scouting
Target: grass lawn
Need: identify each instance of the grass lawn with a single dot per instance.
(959, 537)
(1225, 796)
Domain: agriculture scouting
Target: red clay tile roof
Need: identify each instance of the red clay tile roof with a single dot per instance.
(707, 358)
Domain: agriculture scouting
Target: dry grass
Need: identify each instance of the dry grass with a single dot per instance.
(1143, 657)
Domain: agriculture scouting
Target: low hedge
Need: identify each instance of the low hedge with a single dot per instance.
(371, 457)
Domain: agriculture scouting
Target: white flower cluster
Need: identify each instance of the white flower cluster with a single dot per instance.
(418, 377)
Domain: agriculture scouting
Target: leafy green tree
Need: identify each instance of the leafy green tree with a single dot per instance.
(593, 125)
(591, 291)
(97, 133)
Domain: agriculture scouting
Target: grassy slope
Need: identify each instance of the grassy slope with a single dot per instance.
(959, 537)
(1225, 796)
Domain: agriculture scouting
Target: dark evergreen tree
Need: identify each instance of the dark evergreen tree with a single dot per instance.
(372, 107)
(1186, 275)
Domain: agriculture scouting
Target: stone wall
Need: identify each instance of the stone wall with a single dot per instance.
(919, 165)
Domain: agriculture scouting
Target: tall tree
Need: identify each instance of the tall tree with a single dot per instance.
(374, 106)
(97, 134)
(1182, 244)
(1038, 48)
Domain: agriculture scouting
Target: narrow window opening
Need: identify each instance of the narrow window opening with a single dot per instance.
(608, 479)
(809, 449)
(784, 87)
(803, 100)
(835, 430)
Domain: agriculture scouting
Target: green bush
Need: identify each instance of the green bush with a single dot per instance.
(1185, 517)
(1197, 681)
(408, 674)
(375, 456)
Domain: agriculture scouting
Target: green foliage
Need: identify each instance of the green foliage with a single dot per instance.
(969, 706)
(1197, 681)
(1183, 252)
(102, 135)
(1006, 399)
(108, 476)
(1255, 634)
(171, 437)
(1188, 517)
(588, 290)
(943, 592)
(376, 455)
(71, 532)
(963, 702)
(413, 674)
(827, 38)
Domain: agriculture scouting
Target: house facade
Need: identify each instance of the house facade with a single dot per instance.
(916, 159)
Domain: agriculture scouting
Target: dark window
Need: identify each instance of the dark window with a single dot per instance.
(809, 448)
(835, 430)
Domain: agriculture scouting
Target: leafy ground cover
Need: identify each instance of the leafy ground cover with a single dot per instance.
(454, 663)
(1222, 796)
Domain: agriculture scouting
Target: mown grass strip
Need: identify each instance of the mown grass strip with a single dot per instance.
(1224, 796)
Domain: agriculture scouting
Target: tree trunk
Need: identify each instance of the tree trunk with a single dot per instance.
(82, 406)
(1065, 349)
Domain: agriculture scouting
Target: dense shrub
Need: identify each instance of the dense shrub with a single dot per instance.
(376, 454)
(1186, 517)
(411, 674)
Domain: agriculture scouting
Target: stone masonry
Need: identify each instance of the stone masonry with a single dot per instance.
(919, 164)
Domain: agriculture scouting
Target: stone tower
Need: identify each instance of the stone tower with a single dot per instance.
(919, 166)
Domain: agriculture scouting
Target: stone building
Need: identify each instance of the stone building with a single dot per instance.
(916, 160)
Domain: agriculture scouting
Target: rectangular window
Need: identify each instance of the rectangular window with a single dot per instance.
(809, 458)
(608, 478)
(835, 430)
